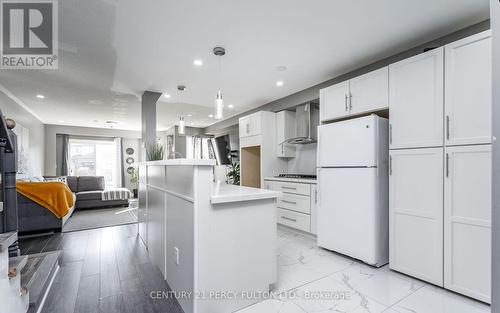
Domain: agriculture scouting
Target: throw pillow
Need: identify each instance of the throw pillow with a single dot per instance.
(61, 179)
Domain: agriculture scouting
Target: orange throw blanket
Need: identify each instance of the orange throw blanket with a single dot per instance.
(55, 196)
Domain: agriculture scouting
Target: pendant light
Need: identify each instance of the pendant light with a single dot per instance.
(182, 126)
(219, 102)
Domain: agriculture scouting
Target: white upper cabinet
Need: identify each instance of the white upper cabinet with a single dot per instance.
(416, 213)
(334, 101)
(362, 94)
(285, 129)
(369, 92)
(416, 101)
(467, 220)
(468, 90)
(250, 125)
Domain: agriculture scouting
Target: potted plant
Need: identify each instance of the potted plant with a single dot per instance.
(155, 152)
(233, 173)
(134, 179)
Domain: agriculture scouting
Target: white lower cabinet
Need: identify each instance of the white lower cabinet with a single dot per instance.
(467, 220)
(314, 209)
(416, 213)
(297, 208)
(294, 219)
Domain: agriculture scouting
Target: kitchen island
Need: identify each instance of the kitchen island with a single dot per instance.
(215, 244)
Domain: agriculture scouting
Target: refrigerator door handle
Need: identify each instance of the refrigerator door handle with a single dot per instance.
(447, 165)
(390, 164)
(447, 127)
(346, 106)
(390, 134)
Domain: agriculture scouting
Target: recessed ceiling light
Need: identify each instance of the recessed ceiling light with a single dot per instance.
(40, 96)
(61, 121)
(230, 106)
(189, 115)
(198, 62)
(279, 83)
(210, 115)
(166, 95)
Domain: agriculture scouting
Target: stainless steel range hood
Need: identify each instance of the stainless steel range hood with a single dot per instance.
(307, 119)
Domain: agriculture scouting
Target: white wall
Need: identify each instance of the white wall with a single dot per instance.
(304, 161)
(36, 133)
(52, 130)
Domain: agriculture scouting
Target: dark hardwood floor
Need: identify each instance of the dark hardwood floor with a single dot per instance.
(104, 270)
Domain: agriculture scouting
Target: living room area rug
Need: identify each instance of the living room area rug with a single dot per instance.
(98, 218)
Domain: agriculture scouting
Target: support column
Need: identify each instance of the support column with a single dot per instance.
(148, 119)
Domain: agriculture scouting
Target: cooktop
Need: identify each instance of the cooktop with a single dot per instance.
(301, 176)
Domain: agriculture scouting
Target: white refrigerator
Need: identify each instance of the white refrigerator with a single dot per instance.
(353, 206)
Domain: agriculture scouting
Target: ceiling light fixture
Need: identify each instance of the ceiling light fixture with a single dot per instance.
(198, 62)
(210, 115)
(279, 83)
(167, 96)
(182, 126)
(230, 106)
(40, 96)
(219, 102)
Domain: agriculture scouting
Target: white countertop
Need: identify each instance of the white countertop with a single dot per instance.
(293, 180)
(192, 162)
(224, 193)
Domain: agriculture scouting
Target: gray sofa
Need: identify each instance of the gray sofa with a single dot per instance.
(87, 191)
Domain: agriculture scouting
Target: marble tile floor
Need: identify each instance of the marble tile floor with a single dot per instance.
(314, 280)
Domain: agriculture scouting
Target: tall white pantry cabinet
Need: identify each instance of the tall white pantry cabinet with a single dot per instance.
(440, 166)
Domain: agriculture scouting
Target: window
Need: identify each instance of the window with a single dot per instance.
(199, 148)
(94, 158)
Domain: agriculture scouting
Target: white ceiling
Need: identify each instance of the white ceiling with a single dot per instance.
(111, 51)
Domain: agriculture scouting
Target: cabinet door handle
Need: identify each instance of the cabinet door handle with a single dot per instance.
(447, 127)
(390, 164)
(350, 102)
(291, 202)
(248, 128)
(346, 106)
(289, 219)
(316, 196)
(447, 165)
(390, 134)
(290, 188)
